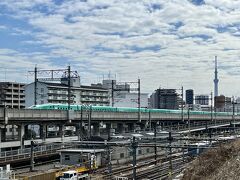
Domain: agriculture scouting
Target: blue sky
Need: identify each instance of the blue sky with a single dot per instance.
(166, 43)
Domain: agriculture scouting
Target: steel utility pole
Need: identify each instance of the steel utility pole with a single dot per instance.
(139, 101)
(189, 125)
(211, 106)
(112, 93)
(80, 133)
(155, 140)
(69, 86)
(89, 121)
(32, 157)
(150, 120)
(134, 150)
(109, 161)
(233, 113)
(170, 152)
(35, 85)
(182, 105)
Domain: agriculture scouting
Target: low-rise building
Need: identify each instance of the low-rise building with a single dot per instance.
(84, 157)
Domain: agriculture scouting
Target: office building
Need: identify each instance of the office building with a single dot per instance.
(202, 99)
(223, 104)
(165, 99)
(189, 96)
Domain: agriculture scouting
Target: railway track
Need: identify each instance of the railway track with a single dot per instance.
(127, 171)
(161, 171)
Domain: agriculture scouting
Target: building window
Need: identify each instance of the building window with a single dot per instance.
(147, 150)
(42, 90)
(67, 157)
(139, 151)
(42, 102)
(121, 155)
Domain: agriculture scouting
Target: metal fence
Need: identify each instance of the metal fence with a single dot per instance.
(38, 151)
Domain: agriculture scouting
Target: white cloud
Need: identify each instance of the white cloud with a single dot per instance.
(101, 35)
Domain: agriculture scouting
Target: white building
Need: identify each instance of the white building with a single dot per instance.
(58, 93)
(127, 99)
(122, 96)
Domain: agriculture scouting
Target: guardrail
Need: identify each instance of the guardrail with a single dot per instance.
(196, 125)
(20, 154)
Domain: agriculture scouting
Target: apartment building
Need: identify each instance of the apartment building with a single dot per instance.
(12, 95)
(58, 93)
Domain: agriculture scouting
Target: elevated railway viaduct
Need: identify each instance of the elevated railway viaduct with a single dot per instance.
(92, 121)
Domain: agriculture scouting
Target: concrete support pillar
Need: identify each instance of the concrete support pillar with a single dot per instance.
(109, 129)
(159, 126)
(120, 128)
(13, 129)
(162, 125)
(131, 127)
(21, 135)
(77, 132)
(61, 131)
(96, 129)
(3, 134)
(26, 132)
(43, 132)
